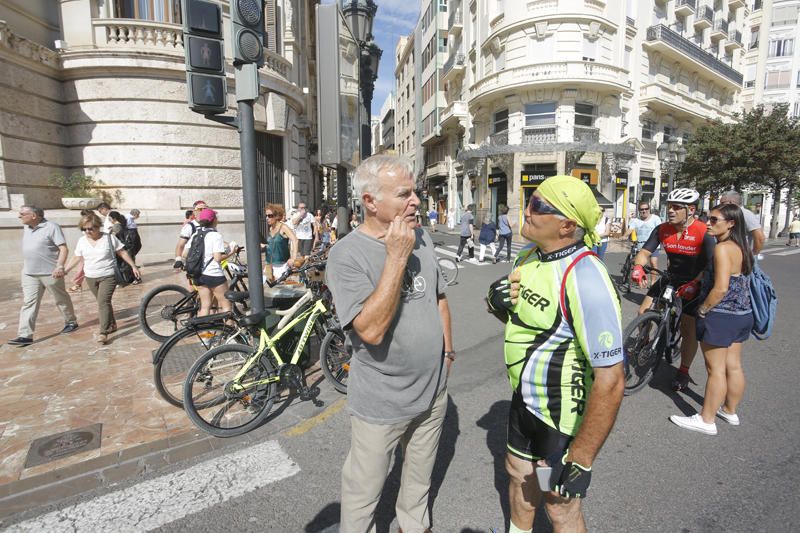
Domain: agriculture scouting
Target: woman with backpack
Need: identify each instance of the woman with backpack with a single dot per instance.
(281, 245)
(205, 269)
(724, 320)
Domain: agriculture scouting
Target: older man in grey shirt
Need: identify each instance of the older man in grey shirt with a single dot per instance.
(389, 296)
(44, 252)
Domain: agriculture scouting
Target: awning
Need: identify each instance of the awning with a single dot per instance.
(601, 200)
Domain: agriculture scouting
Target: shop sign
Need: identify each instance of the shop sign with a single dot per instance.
(621, 181)
(647, 184)
(534, 178)
(496, 179)
(664, 186)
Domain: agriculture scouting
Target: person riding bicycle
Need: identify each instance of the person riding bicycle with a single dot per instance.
(644, 226)
(563, 351)
(689, 250)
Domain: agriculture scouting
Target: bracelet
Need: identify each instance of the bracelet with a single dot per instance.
(450, 355)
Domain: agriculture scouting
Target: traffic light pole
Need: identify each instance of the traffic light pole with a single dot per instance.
(247, 141)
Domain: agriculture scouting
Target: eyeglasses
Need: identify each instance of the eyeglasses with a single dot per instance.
(714, 220)
(676, 207)
(644, 210)
(90, 228)
(539, 207)
(270, 215)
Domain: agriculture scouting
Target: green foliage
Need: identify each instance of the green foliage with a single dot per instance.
(76, 185)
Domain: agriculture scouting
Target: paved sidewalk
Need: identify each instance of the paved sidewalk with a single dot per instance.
(66, 382)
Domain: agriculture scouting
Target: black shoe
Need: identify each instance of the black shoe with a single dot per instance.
(69, 327)
(458, 259)
(21, 341)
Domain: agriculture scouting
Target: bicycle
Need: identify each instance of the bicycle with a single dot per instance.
(231, 389)
(449, 269)
(652, 336)
(625, 281)
(164, 306)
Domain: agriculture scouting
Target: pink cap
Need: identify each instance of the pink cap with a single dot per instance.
(207, 215)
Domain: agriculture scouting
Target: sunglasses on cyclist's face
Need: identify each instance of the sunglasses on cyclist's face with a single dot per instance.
(676, 207)
(540, 207)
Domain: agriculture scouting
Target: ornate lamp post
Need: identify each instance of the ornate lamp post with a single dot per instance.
(671, 155)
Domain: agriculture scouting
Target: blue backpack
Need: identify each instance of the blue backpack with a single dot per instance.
(764, 300)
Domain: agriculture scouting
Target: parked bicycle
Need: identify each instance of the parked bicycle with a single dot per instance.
(163, 307)
(652, 336)
(231, 389)
(624, 283)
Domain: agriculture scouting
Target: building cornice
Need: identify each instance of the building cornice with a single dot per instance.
(36, 56)
(502, 31)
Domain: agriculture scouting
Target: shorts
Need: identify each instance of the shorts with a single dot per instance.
(209, 281)
(689, 306)
(529, 438)
(794, 235)
(724, 329)
(305, 246)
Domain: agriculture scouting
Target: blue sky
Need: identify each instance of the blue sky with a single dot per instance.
(395, 18)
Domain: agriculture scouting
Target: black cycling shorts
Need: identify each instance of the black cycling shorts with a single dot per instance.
(528, 437)
(689, 306)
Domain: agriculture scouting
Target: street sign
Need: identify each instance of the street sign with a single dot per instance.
(206, 84)
(247, 31)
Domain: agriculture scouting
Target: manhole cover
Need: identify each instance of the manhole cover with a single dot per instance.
(53, 447)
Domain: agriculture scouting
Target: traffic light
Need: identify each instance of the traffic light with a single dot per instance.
(247, 31)
(206, 86)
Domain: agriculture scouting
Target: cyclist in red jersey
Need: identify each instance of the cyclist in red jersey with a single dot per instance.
(689, 250)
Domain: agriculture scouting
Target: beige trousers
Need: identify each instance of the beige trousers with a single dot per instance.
(33, 288)
(367, 466)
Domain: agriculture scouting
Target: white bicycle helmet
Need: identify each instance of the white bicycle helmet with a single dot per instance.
(683, 196)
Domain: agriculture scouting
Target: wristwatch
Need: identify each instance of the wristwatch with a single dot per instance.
(450, 355)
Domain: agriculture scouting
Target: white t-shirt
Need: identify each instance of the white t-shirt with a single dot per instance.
(644, 228)
(600, 228)
(189, 229)
(98, 259)
(304, 229)
(213, 243)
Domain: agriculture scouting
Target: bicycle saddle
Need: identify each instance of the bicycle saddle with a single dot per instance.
(267, 319)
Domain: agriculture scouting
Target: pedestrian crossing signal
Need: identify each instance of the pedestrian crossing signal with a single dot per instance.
(206, 84)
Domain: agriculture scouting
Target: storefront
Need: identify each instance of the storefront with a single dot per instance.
(498, 188)
(621, 196)
(647, 187)
(531, 177)
(437, 194)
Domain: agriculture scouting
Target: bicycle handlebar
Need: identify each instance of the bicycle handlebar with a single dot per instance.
(292, 271)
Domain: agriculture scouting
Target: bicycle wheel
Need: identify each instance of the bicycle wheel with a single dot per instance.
(449, 269)
(174, 358)
(163, 307)
(215, 405)
(625, 281)
(642, 351)
(335, 360)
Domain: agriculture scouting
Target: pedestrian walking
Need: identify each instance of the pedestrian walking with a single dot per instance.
(389, 295)
(486, 237)
(96, 252)
(603, 229)
(433, 219)
(563, 351)
(466, 234)
(187, 230)
(44, 253)
(323, 228)
(211, 282)
(119, 229)
(506, 232)
(282, 243)
(724, 320)
(302, 223)
(643, 227)
(104, 209)
(794, 232)
(133, 233)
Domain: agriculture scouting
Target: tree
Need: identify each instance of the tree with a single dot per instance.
(762, 149)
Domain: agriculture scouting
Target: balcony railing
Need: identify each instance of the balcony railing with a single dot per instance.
(686, 47)
(455, 18)
(456, 59)
(749, 84)
(630, 21)
(499, 139)
(720, 26)
(685, 7)
(586, 134)
(539, 135)
(704, 17)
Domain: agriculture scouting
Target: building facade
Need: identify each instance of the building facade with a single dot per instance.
(99, 87)
(405, 114)
(582, 87)
(387, 124)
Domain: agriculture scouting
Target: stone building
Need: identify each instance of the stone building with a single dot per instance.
(99, 87)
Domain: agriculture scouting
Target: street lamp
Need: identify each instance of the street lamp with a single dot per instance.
(671, 155)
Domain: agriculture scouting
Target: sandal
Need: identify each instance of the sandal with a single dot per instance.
(75, 288)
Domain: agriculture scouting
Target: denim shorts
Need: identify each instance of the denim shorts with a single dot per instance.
(209, 281)
(723, 329)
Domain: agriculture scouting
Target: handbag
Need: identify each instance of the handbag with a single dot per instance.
(123, 273)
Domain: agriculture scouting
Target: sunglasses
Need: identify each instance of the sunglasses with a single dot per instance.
(676, 207)
(270, 215)
(539, 207)
(91, 228)
(644, 210)
(714, 220)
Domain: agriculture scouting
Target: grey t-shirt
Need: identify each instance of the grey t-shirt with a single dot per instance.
(751, 220)
(466, 220)
(40, 248)
(399, 378)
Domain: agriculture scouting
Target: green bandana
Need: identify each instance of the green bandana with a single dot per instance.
(575, 199)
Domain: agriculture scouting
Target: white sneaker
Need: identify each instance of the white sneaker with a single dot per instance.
(732, 419)
(694, 423)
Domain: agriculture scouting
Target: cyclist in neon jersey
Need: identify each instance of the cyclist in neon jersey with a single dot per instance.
(689, 250)
(563, 352)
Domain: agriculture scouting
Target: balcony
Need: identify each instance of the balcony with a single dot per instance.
(630, 21)
(735, 4)
(663, 98)
(453, 114)
(704, 18)
(685, 7)
(539, 135)
(499, 139)
(565, 74)
(454, 67)
(437, 170)
(672, 45)
(720, 30)
(586, 134)
(455, 22)
(734, 41)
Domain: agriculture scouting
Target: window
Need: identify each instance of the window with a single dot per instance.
(429, 89)
(584, 115)
(425, 18)
(500, 61)
(648, 130)
(798, 78)
(778, 79)
(500, 121)
(156, 10)
(686, 139)
(796, 110)
(667, 132)
(589, 50)
(781, 47)
(750, 76)
(540, 114)
(754, 33)
(443, 6)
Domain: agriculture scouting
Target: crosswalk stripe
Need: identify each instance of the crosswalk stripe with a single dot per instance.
(165, 499)
(789, 252)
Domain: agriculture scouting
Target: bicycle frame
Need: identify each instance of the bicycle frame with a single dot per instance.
(668, 301)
